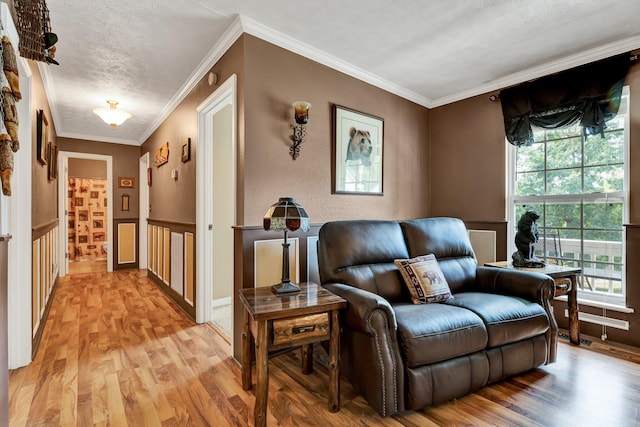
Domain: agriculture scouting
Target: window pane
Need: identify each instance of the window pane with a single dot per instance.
(603, 179)
(530, 183)
(530, 158)
(604, 151)
(565, 132)
(603, 216)
(564, 153)
(565, 216)
(564, 181)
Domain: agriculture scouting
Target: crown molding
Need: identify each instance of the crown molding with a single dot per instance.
(296, 46)
(98, 138)
(572, 61)
(220, 48)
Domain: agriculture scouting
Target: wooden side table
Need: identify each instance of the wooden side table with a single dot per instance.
(277, 322)
(559, 274)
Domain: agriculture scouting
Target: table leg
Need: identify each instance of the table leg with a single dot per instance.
(246, 351)
(262, 374)
(334, 363)
(306, 352)
(572, 299)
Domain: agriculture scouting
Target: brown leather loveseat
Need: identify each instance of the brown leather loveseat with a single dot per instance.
(404, 356)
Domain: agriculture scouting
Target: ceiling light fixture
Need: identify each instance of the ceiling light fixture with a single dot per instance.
(111, 116)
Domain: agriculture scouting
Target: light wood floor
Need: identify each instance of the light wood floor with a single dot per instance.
(117, 352)
(88, 266)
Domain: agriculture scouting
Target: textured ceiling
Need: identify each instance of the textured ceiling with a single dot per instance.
(147, 53)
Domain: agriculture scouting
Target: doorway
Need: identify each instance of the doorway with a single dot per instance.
(216, 207)
(87, 220)
(86, 213)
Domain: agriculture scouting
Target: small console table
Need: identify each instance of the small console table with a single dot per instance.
(566, 281)
(290, 320)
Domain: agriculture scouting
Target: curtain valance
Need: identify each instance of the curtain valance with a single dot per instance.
(589, 94)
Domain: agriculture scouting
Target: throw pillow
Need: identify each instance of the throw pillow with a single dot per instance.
(424, 279)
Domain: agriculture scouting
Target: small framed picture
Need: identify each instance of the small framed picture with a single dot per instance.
(357, 152)
(149, 177)
(126, 182)
(186, 150)
(125, 202)
(41, 133)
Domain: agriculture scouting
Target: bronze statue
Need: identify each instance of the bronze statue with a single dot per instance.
(526, 238)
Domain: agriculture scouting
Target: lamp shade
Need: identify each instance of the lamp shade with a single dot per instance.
(286, 215)
(111, 116)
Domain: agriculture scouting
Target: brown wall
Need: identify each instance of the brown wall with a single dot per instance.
(274, 79)
(86, 168)
(468, 171)
(166, 194)
(125, 163)
(44, 203)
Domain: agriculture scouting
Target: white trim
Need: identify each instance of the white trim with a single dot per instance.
(220, 302)
(601, 320)
(185, 269)
(600, 304)
(223, 44)
(20, 220)
(98, 138)
(143, 214)
(63, 167)
(223, 96)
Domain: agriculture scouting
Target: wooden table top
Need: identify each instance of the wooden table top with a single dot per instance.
(549, 269)
(262, 304)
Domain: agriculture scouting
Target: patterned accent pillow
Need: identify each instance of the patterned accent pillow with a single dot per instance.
(424, 279)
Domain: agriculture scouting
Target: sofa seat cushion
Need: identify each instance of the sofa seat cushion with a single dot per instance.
(430, 333)
(507, 319)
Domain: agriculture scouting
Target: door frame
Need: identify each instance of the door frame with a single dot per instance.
(143, 212)
(63, 166)
(225, 95)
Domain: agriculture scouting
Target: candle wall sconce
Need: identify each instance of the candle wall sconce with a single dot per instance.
(301, 111)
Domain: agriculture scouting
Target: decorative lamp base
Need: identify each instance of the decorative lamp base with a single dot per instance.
(284, 288)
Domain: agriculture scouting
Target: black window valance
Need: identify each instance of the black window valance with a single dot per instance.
(589, 94)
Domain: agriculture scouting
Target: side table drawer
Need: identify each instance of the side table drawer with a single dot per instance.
(296, 329)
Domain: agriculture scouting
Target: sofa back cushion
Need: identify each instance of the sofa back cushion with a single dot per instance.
(448, 240)
(361, 253)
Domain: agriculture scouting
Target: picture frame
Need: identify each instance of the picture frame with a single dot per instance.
(49, 161)
(125, 202)
(126, 182)
(149, 176)
(186, 150)
(42, 127)
(358, 152)
(162, 155)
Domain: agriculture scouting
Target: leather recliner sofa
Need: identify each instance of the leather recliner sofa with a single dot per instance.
(404, 356)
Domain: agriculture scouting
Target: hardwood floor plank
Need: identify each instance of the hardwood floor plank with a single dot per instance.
(117, 352)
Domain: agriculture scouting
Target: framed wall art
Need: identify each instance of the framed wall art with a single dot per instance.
(125, 202)
(186, 150)
(357, 152)
(162, 154)
(126, 182)
(42, 127)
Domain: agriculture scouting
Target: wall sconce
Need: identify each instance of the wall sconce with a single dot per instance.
(299, 130)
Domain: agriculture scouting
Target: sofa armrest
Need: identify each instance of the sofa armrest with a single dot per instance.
(532, 286)
(369, 350)
(361, 305)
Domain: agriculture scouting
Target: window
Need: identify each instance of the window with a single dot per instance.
(578, 186)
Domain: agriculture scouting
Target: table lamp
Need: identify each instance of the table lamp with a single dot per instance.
(286, 215)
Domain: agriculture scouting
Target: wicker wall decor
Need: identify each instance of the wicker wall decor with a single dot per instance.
(33, 23)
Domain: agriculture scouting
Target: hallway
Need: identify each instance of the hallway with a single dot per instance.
(117, 352)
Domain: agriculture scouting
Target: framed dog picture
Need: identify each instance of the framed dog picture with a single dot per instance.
(357, 152)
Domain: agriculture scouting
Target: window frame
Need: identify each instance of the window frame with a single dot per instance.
(623, 196)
